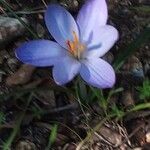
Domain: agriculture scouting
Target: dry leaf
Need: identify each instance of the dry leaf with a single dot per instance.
(22, 76)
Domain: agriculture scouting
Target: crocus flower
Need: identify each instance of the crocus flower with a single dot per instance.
(78, 47)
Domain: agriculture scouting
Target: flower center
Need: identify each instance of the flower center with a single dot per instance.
(75, 47)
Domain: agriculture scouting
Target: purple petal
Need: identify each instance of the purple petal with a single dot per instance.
(60, 24)
(102, 41)
(40, 53)
(65, 70)
(98, 73)
(92, 14)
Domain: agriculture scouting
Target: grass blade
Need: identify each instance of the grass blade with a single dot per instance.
(6, 5)
(52, 137)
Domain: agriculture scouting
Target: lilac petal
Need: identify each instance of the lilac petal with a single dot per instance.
(93, 13)
(40, 53)
(103, 39)
(98, 73)
(65, 70)
(60, 24)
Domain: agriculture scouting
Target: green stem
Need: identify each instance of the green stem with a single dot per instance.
(8, 143)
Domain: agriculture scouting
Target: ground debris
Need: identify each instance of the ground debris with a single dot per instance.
(109, 136)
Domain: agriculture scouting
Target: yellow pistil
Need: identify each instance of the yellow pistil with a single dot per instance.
(75, 47)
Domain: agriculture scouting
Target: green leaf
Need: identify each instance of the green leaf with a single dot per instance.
(82, 90)
(144, 90)
(9, 141)
(2, 117)
(132, 47)
(117, 112)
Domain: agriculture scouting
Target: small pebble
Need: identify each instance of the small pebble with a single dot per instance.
(10, 28)
(148, 137)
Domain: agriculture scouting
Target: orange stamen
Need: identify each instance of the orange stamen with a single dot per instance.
(68, 44)
(71, 46)
(76, 40)
(75, 47)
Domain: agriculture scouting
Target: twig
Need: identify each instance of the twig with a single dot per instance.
(25, 12)
(60, 109)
